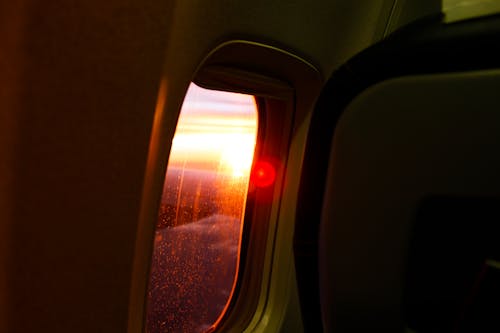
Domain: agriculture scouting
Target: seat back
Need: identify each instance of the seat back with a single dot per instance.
(410, 212)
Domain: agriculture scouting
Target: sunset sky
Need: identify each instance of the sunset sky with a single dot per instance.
(215, 128)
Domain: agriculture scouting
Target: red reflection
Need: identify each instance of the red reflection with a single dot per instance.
(263, 174)
(198, 236)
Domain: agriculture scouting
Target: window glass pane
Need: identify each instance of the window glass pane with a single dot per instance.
(198, 235)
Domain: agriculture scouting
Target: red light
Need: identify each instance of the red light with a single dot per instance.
(263, 174)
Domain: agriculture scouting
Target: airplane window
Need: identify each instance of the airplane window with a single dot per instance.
(198, 234)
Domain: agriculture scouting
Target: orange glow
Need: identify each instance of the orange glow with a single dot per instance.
(216, 128)
(198, 236)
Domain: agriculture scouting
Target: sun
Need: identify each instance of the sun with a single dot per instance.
(237, 154)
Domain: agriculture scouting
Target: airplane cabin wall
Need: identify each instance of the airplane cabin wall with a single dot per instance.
(79, 89)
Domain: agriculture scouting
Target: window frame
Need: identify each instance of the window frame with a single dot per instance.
(266, 274)
(272, 75)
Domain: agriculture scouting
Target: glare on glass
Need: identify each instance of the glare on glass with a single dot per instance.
(198, 234)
